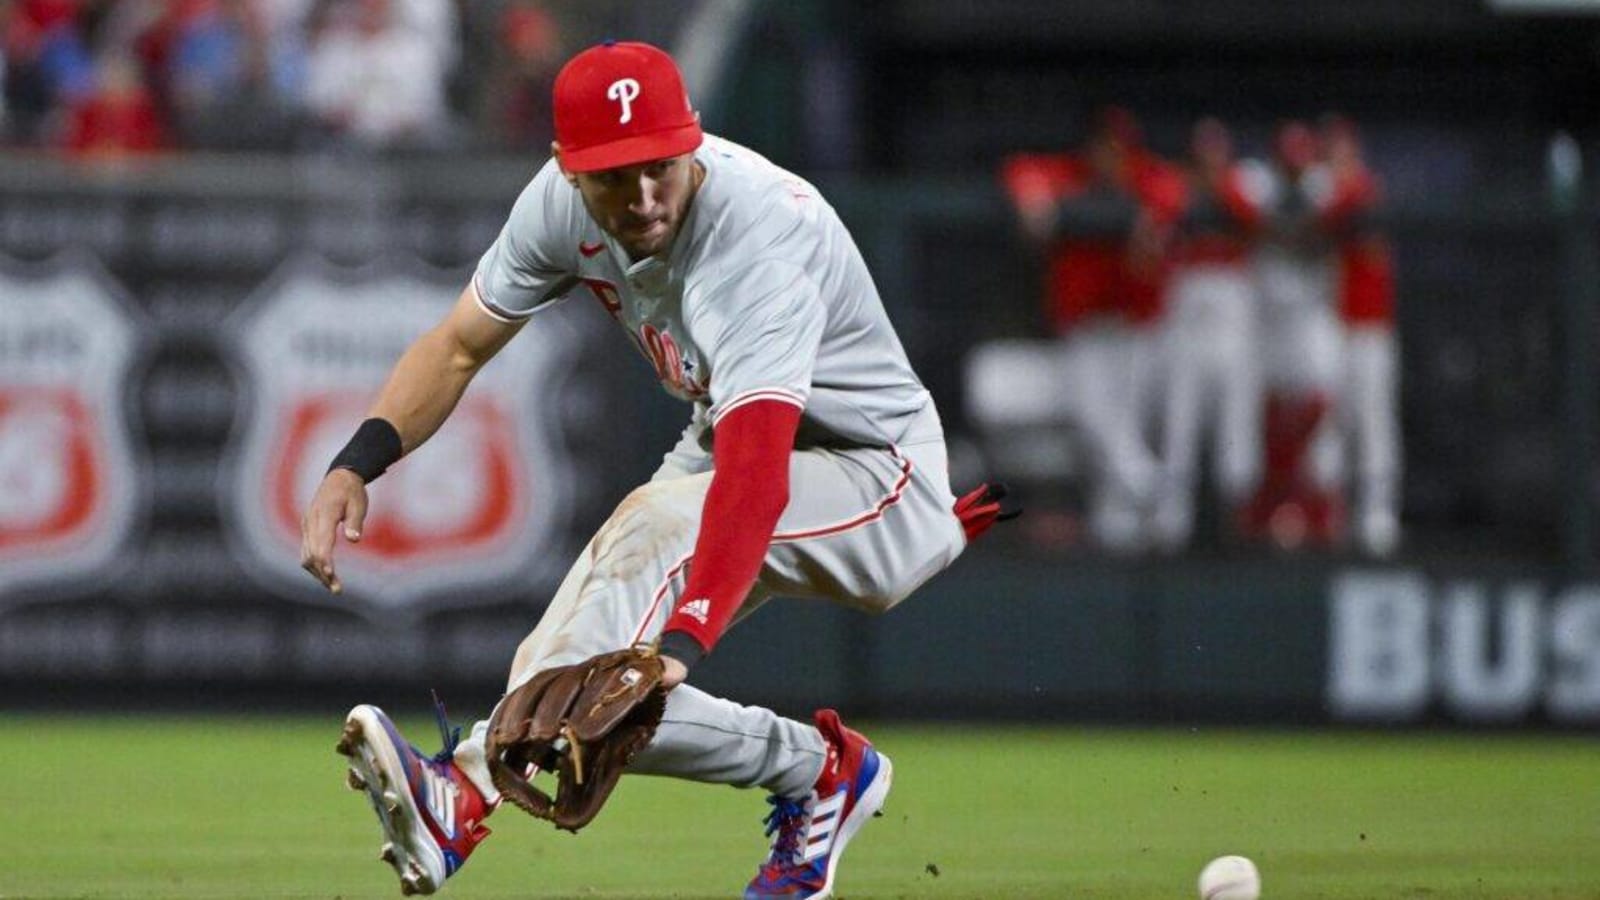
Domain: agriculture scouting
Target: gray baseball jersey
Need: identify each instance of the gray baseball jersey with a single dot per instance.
(762, 296)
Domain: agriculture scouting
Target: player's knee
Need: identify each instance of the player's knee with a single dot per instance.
(666, 505)
(657, 518)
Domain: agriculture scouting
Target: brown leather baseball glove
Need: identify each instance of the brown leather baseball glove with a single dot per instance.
(583, 722)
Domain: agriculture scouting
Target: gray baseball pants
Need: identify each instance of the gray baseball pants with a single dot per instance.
(864, 527)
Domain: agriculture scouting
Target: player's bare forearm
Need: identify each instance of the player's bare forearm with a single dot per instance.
(433, 373)
(423, 388)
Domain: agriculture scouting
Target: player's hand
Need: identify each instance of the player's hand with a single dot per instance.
(672, 672)
(340, 504)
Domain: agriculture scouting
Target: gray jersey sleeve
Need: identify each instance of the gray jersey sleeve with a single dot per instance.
(761, 329)
(530, 264)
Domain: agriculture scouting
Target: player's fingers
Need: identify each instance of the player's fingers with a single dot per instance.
(318, 541)
(673, 673)
(316, 570)
(316, 567)
(306, 529)
(355, 515)
(305, 542)
(324, 564)
(323, 571)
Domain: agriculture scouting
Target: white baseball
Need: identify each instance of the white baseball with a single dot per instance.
(1230, 878)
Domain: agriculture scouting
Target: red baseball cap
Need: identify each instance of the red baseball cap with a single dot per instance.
(620, 104)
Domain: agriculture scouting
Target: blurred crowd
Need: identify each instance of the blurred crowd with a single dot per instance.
(1213, 309)
(1237, 311)
(108, 78)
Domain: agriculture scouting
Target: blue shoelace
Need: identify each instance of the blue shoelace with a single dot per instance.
(448, 736)
(785, 818)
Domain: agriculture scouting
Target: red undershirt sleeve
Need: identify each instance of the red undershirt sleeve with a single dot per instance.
(749, 491)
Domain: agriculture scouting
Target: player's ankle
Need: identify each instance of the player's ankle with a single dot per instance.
(469, 758)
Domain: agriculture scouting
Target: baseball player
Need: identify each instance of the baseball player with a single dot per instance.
(1298, 501)
(1369, 404)
(813, 463)
(1211, 378)
(1100, 217)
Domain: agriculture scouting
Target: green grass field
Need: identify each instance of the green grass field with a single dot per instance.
(211, 807)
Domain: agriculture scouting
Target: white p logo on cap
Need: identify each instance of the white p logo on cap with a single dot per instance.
(624, 91)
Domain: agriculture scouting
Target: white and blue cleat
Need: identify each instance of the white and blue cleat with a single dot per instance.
(431, 814)
(811, 833)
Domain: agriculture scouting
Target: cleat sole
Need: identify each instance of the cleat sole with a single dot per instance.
(349, 738)
(414, 881)
(374, 770)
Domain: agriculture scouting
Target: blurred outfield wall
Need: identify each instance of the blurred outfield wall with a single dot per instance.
(183, 346)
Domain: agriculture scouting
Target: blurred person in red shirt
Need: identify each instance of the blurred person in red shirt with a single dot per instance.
(223, 72)
(1369, 401)
(1211, 379)
(1299, 502)
(118, 119)
(48, 67)
(1103, 217)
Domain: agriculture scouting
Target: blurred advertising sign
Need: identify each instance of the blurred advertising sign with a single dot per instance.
(467, 518)
(68, 481)
(1402, 646)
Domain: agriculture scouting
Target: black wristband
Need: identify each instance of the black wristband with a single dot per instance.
(373, 449)
(681, 647)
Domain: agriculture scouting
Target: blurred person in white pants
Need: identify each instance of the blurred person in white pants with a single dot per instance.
(1299, 502)
(1370, 414)
(1212, 378)
(1101, 218)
